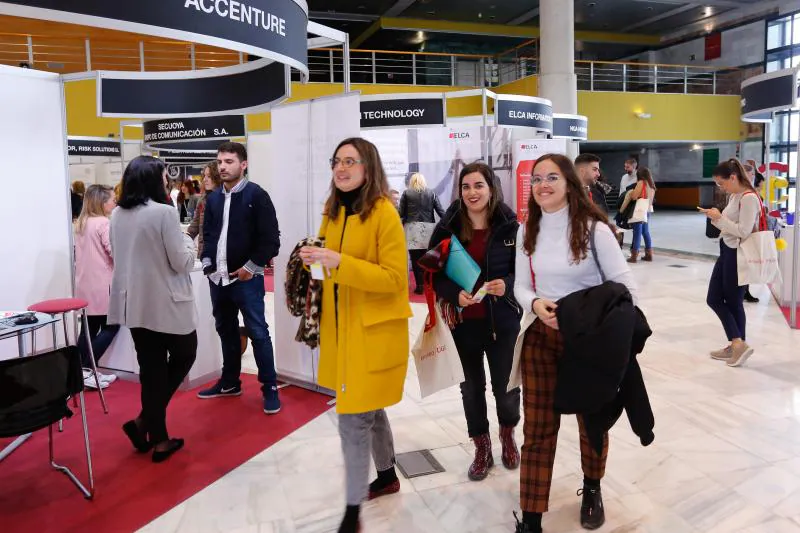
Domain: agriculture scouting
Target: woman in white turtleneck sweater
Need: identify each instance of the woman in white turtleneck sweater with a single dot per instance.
(554, 259)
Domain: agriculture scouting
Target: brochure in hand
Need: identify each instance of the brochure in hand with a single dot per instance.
(461, 268)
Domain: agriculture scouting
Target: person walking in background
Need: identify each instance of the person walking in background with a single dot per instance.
(487, 228)
(187, 201)
(588, 168)
(211, 182)
(174, 191)
(94, 268)
(395, 196)
(151, 293)
(418, 205)
(644, 180)
(627, 181)
(364, 341)
(736, 222)
(240, 237)
(554, 260)
(76, 192)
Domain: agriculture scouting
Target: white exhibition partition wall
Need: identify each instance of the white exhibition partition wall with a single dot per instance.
(304, 135)
(37, 242)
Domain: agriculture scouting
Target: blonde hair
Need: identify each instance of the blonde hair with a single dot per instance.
(417, 182)
(94, 199)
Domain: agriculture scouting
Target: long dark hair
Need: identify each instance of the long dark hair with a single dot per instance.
(644, 174)
(581, 211)
(143, 180)
(733, 167)
(375, 187)
(484, 170)
(189, 184)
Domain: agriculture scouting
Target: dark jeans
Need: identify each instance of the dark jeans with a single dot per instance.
(159, 375)
(473, 338)
(416, 255)
(246, 297)
(725, 296)
(102, 336)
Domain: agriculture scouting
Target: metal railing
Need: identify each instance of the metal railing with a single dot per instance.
(72, 54)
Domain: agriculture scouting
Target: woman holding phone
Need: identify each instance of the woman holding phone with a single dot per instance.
(736, 222)
(487, 228)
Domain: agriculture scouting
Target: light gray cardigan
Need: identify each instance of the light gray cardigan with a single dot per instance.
(151, 287)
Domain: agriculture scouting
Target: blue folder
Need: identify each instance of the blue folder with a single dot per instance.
(461, 268)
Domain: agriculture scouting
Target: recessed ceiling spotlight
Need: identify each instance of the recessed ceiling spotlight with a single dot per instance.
(480, 15)
(492, 17)
(592, 4)
(431, 12)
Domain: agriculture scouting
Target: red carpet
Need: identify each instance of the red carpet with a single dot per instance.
(131, 491)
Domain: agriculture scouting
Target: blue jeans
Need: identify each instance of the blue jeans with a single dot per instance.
(246, 297)
(639, 229)
(101, 335)
(725, 296)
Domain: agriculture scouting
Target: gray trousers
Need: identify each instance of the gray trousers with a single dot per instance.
(361, 434)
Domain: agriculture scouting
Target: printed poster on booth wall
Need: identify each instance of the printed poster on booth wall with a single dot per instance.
(526, 153)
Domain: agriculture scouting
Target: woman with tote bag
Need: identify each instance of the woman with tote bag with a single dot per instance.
(643, 195)
(736, 223)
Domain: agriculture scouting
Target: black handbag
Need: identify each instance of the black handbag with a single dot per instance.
(712, 232)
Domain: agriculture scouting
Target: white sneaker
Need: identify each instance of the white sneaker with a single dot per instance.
(107, 378)
(89, 382)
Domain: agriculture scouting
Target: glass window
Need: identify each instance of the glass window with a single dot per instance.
(776, 34)
(793, 164)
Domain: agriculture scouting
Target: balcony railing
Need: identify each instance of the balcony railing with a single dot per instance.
(70, 54)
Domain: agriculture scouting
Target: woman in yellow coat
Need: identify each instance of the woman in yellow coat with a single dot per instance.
(364, 326)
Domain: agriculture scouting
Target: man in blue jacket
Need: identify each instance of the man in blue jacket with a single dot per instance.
(240, 231)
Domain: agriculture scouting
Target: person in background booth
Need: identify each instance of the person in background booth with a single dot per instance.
(77, 190)
(588, 168)
(187, 201)
(627, 181)
(487, 228)
(364, 341)
(211, 182)
(419, 207)
(553, 261)
(395, 195)
(94, 268)
(240, 237)
(736, 222)
(151, 294)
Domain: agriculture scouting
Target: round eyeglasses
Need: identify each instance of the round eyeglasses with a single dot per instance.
(346, 162)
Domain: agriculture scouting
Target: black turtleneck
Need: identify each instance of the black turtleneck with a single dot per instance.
(348, 199)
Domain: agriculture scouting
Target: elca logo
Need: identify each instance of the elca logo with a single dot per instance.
(459, 135)
(529, 147)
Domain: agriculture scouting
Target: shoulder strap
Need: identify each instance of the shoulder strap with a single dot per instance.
(762, 218)
(592, 246)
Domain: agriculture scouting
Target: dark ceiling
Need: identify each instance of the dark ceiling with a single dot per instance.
(649, 17)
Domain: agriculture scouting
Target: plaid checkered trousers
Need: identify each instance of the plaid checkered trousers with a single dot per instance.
(541, 349)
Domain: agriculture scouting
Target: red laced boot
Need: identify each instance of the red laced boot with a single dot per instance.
(479, 468)
(510, 450)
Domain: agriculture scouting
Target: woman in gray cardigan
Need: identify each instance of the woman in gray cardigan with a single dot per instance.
(151, 293)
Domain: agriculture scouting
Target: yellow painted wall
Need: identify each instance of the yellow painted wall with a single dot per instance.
(675, 117)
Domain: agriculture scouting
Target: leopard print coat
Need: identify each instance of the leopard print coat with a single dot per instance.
(304, 295)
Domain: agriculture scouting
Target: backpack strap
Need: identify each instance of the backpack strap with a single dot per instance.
(592, 246)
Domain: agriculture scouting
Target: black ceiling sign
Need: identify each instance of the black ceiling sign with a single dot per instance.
(275, 29)
(529, 113)
(242, 89)
(93, 147)
(575, 127)
(400, 112)
(180, 131)
(766, 93)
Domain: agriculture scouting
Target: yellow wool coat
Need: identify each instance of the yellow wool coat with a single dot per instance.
(364, 345)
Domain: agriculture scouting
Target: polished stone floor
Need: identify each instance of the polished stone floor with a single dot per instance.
(726, 456)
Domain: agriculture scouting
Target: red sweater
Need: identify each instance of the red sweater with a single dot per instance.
(476, 248)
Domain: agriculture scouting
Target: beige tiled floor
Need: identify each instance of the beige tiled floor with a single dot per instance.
(726, 457)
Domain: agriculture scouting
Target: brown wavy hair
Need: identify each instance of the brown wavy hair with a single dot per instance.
(375, 187)
(216, 179)
(466, 224)
(581, 211)
(644, 174)
(733, 167)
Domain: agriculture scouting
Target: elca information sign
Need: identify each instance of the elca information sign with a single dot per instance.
(399, 112)
(87, 147)
(524, 111)
(160, 132)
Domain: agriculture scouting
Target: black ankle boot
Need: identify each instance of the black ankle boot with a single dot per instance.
(593, 514)
(525, 527)
(350, 522)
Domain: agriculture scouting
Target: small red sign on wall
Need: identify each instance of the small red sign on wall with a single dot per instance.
(713, 46)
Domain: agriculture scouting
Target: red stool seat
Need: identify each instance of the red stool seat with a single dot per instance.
(60, 305)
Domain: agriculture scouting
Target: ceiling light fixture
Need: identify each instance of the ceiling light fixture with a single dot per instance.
(643, 115)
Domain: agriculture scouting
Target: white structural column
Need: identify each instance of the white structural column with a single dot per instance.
(557, 80)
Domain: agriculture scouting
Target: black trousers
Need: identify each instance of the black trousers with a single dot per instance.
(416, 255)
(164, 361)
(101, 336)
(473, 339)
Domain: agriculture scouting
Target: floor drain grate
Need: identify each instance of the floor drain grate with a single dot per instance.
(419, 463)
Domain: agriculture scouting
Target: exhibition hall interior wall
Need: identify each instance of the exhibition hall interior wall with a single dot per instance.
(35, 216)
(103, 170)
